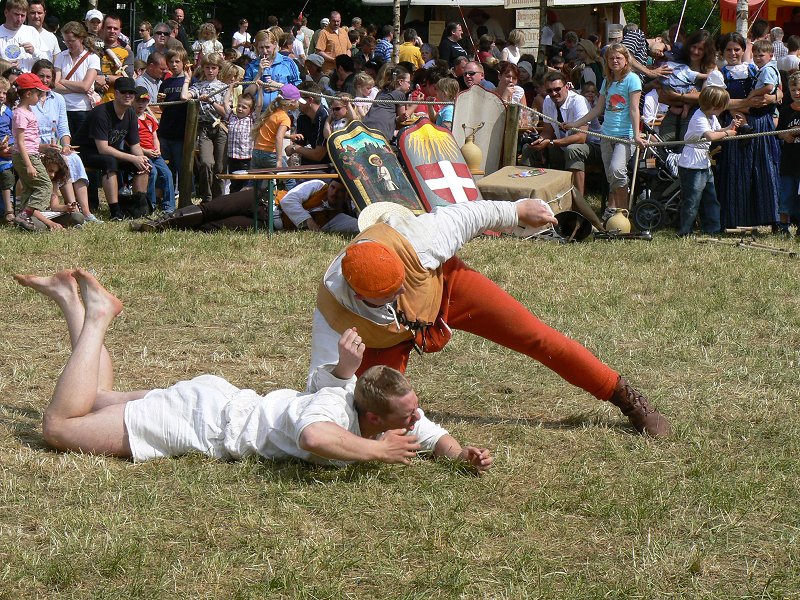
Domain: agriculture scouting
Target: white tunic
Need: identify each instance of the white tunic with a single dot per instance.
(435, 236)
(209, 415)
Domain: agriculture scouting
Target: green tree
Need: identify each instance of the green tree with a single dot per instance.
(660, 15)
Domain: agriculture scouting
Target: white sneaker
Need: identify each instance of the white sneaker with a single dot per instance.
(90, 218)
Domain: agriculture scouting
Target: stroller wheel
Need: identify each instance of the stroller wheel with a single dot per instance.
(648, 215)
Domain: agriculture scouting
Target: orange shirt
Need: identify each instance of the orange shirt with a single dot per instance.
(265, 140)
(333, 44)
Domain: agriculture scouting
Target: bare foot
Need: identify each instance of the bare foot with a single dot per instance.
(61, 287)
(99, 302)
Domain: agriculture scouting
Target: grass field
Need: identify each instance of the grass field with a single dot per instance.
(576, 507)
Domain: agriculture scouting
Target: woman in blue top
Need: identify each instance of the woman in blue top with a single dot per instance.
(270, 66)
(747, 170)
(619, 102)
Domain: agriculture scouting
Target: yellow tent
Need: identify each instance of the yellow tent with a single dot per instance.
(777, 12)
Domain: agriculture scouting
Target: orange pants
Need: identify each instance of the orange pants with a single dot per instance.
(473, 303)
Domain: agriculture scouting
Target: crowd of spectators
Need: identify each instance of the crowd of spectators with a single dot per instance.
(260, 105)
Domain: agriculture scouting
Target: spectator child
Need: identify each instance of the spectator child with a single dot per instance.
(768, 79)
(36, 185)
(589, 91)
(694, 166)
(6, 141)
(274, 127)
(66, 213)
(619, 105)
(446, 91)
(212, 140)
(206, 43)
(241, 122)
(789, 118)
(173, 118)
(151, 147)
(365, 89)
(232, 74)
(340, 115)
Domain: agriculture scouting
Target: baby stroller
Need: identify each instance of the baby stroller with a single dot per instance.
(658, 201)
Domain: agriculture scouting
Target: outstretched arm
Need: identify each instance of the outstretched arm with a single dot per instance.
(333, 442)
(479, 458)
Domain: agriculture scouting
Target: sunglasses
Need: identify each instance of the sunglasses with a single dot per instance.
(471, 73)
(555, 90)
(161, 33)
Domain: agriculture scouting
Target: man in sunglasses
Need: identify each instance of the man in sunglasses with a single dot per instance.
(109, 141)
(473, 75)
(565, 150)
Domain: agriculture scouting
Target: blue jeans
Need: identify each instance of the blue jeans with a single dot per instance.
(789, 199)
(172, 150)
(698, 194)
(160, 172)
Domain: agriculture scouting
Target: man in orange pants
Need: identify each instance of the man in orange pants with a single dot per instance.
(401, 285)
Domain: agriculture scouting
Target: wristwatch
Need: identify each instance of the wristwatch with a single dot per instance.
(552, 142)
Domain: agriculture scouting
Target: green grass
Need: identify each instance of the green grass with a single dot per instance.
(577, 506)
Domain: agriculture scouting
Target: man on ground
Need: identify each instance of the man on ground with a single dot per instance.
(341, 421)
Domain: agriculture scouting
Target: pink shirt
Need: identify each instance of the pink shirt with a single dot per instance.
(25, 119)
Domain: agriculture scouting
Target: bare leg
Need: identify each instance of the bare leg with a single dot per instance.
(63, 290)
(69, 423)
(81, 192)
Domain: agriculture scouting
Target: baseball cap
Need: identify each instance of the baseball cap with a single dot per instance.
(93, 14)
(29, 81)
(125, 84)
(324, 21)
(142, 93)
(315, 59)
(290, 92)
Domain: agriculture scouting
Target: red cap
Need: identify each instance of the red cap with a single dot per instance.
(29, 81)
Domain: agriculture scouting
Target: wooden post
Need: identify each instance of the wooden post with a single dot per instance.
(643, 16)
(186, 171)
(510, 139)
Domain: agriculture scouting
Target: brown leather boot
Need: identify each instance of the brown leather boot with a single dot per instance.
(646, 419)
(187, 217)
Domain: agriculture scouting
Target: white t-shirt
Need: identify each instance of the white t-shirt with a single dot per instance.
(243, 38)
(209, 415)
(574, 108)
(695, 155)
(790, 62)
(511, 54)
(11, 49)
(49, 44)
(76, 101)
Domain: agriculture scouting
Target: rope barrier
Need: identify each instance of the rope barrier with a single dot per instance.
(744, 136)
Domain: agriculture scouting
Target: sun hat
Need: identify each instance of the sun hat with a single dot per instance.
(290, 92)
(379, 212)
(315, 59)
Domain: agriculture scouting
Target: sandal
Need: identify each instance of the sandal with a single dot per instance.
(9, 217)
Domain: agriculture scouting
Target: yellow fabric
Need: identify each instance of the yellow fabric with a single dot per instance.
(108, 67)
(410, 53)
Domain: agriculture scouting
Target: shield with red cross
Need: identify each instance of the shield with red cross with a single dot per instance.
(436, 166)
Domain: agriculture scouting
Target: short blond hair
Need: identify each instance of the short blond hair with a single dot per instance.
(713, 98)
(4, 84)
(377, 387)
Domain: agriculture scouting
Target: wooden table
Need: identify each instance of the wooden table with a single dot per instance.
(272, 178)
(552, 186)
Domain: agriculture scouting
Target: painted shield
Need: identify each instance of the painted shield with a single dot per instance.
(473, 107)
(436, 165)
(369, 168)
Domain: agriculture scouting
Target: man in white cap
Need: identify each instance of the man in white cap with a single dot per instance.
(20, 44)
(323, 23)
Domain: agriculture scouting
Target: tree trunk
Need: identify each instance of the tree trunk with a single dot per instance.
(742, 15)
(396, 50)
